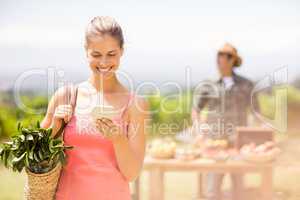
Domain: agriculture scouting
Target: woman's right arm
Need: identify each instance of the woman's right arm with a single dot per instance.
(57, 110)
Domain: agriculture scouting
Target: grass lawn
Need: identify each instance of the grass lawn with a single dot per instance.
(183, 186)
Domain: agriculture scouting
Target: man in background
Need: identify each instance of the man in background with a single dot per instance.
(225, 111)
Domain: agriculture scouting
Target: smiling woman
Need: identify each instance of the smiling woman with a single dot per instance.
(104, 45)
(108, 152)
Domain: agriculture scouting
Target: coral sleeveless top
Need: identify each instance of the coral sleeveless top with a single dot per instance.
(91, 171)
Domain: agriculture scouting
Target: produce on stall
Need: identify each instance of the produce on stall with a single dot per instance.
(265, 152)
(187, 153)
(213, 149)
(162, 148)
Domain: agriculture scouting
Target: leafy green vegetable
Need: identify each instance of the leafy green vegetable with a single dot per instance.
(33, 148)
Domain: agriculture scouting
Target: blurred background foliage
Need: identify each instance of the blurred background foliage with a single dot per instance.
(165, 109)
(11, 114)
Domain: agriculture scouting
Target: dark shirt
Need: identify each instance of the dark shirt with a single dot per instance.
(229, 108)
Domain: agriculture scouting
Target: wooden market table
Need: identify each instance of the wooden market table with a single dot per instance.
(157, 168)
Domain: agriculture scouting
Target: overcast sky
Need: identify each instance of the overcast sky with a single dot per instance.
(162, 37)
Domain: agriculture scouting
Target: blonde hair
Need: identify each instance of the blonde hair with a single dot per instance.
(101, 25)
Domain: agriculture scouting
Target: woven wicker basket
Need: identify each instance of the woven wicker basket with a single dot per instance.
(42, 186)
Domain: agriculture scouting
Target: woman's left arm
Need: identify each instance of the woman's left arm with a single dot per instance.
(129, 149)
